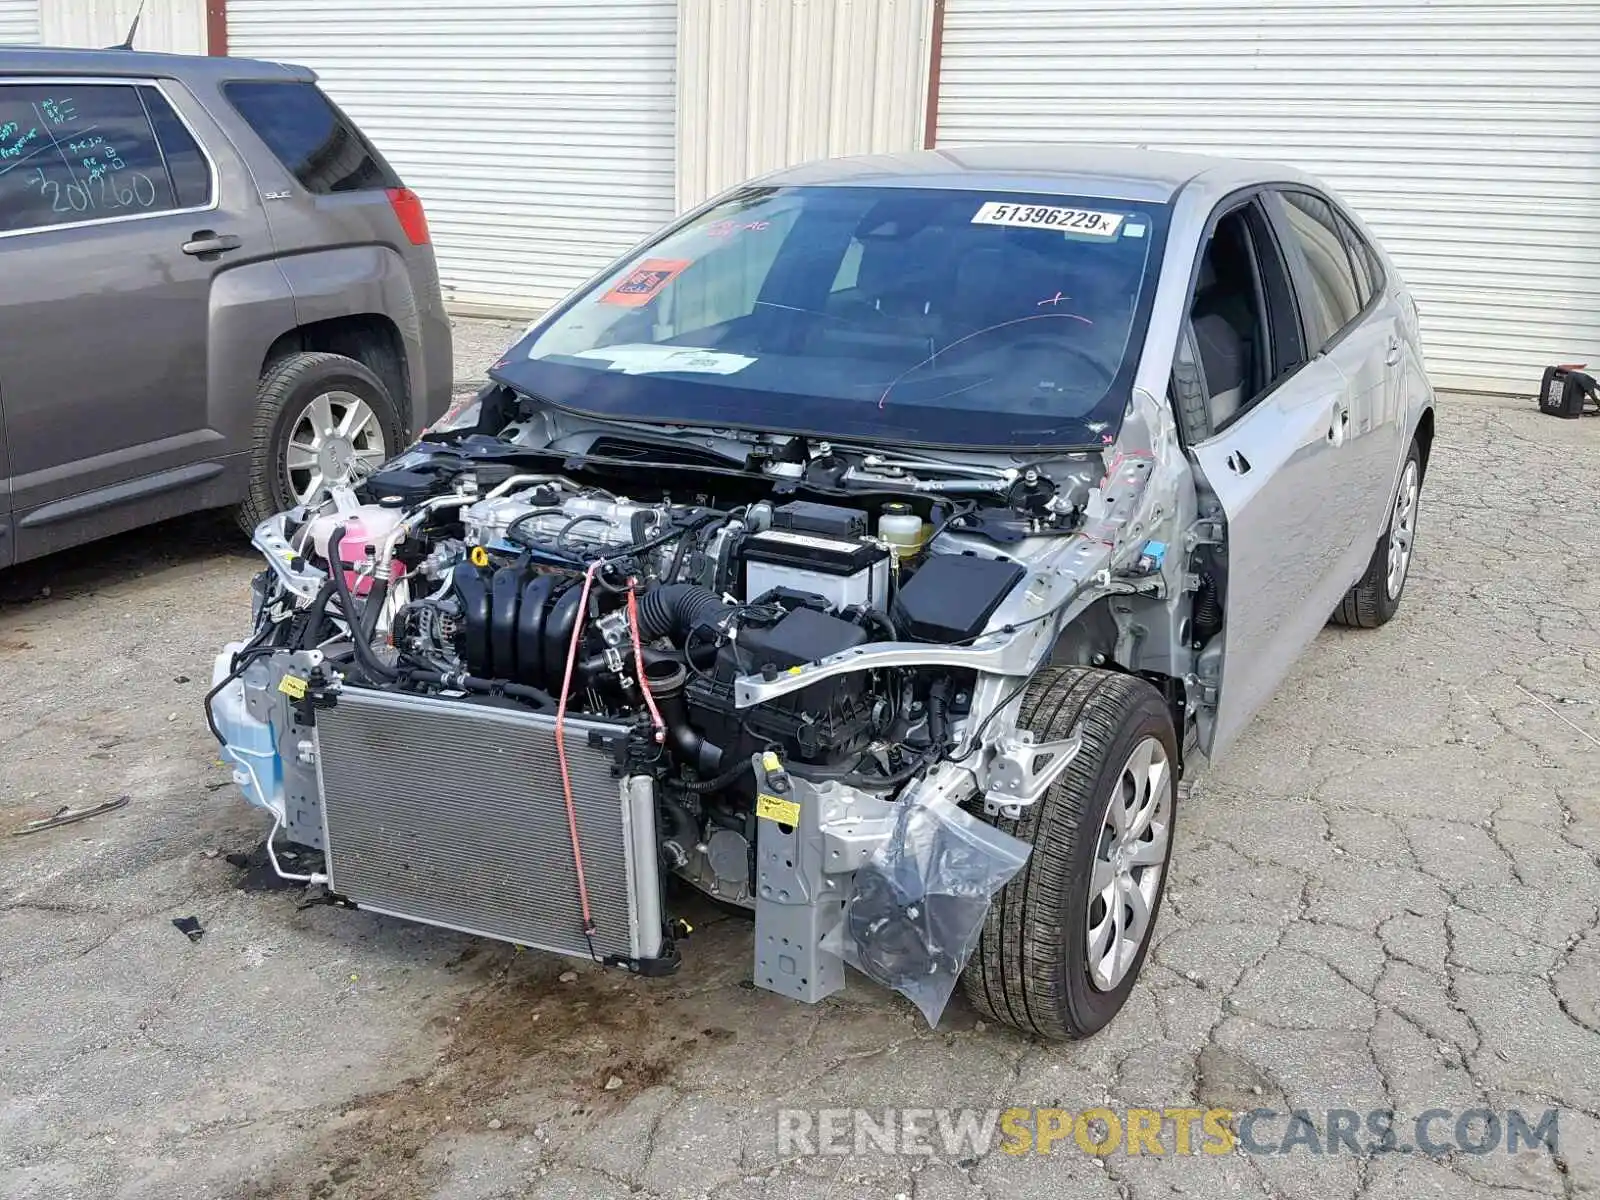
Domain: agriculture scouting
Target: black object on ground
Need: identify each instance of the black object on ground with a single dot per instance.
(189, 927)
(1565, 390)
(70, 816)
(257, 867)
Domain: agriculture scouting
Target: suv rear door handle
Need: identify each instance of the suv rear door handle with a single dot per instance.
(1394, 354)
(205, 241)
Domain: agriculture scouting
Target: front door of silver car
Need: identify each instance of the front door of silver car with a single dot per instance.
(1272, 462)
(116, 232)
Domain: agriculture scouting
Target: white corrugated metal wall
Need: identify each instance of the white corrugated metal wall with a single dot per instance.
(764, 84)
(171, 26)
(1466, 133)
(19, 22)
(539, 133)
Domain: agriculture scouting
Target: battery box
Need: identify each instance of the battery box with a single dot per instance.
(843, 571)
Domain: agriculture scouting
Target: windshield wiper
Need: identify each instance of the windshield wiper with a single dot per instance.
(908, 473)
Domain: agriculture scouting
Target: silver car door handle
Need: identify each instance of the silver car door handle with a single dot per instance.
(207, 242)
(1394, 354)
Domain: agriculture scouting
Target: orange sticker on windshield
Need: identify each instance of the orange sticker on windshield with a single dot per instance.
(641, 284)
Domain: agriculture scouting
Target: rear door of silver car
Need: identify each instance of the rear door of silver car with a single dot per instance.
(1355, 326)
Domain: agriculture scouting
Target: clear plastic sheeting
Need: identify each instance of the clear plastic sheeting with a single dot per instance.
(918, 903)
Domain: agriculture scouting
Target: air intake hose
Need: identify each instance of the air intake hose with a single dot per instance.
(675, 609)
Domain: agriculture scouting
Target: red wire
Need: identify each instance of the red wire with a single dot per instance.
(638, 664)
(561, 746)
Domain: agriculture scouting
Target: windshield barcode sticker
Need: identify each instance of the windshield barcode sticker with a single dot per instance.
(1041, 216)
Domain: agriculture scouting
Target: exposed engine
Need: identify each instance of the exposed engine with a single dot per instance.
(560, 597)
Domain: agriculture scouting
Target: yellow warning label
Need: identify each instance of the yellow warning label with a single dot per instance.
(293, 686)
(775, 808)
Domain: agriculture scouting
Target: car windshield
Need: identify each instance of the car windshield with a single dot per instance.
(931, 316)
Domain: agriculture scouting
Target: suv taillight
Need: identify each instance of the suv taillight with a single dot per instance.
(408, 209)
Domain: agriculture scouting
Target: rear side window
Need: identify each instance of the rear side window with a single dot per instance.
(1335, 298)
(71, 153)
(310, 137)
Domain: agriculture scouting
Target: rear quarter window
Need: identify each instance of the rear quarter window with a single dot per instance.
(310, 137)
(1369, 271)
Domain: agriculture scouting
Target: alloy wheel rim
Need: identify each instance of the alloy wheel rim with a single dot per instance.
(1403, 529)
(336, 440)
(1130, 857)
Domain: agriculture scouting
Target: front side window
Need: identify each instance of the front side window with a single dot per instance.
(926, 315)
(314, 141)
(1335, 298)
(71, 153)
(1242, 316)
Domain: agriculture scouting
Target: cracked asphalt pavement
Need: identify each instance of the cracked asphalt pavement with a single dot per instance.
(1386, 898)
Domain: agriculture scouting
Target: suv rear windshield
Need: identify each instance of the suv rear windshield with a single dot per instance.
(934, 316)
(310, 137)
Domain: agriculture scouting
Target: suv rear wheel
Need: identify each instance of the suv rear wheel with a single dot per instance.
(1063, 943)
(321, 420)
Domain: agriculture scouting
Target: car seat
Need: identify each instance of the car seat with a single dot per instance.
(1222, 340)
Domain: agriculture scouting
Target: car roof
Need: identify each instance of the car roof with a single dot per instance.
(1081, 169)
(140, 64)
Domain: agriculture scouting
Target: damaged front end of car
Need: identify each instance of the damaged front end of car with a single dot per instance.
(541, 662)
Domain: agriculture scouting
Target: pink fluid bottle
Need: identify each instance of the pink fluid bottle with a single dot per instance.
(364, 534)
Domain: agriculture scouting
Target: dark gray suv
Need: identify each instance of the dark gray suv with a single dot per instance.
(216, 292)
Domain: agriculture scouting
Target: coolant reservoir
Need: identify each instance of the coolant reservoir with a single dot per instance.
(372, 522)
(901, 529)
(366, 528)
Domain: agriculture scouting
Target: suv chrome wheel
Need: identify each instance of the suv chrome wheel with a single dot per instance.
(338, 439)
(1132, 853)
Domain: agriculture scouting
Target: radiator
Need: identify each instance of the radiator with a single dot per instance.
(451, 813)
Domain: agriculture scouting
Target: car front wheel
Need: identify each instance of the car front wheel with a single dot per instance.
(1064, 941)
(322, 420)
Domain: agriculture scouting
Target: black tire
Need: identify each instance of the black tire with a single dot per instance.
(287, 388)
(1031, 969)
(1368, 604)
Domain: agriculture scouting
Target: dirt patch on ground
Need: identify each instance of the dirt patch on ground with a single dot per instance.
(532, 1052)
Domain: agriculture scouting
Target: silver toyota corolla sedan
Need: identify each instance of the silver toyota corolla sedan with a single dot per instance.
(874, 549)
